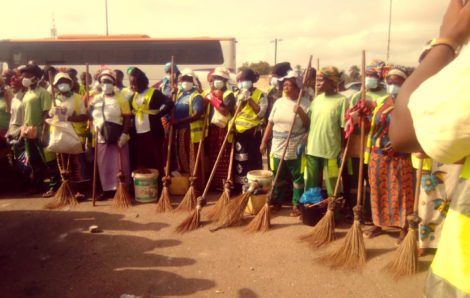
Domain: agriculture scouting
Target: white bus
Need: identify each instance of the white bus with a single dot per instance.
(122, 51)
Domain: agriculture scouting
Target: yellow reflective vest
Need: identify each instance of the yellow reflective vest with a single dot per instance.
(196, 126)
(247, 118)
(145, 107)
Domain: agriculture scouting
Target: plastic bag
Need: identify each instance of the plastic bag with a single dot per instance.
(63, 138)
(312, 196)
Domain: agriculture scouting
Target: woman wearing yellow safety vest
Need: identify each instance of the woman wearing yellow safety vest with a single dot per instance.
(188, 124)
(432, 114)
(221, 108)
(69, 106)
(248, 130)
(148, 106)
(110, 106)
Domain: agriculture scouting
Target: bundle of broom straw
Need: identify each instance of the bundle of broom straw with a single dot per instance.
(189, 201)
(193, 221)
(351, 253)
(121, 199)
(262, 221)
(232, 214)
(324, 231)
(64, 195)
(405, 258)
(164, 203)
(216, 211)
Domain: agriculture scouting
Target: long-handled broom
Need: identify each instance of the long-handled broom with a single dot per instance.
(324, 231)
(262, 221)
(64, 195)
(405, 258)
(189, 200)
(121, 199)
(193, 221)
(216, 211)
(352, 252)
(164, 203)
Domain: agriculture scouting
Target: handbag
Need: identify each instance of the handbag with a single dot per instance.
(220, 120)
(110, 131)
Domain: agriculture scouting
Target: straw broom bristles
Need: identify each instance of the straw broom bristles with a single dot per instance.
(262, 221)
(232, 214)
(121, 199)
(193, 221)
(222, 202)
(164, 203)
(324, 231)
(189, 201)
(405, 259)
(64, 196)
(351, 254)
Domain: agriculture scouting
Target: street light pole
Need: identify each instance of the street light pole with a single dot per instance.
(389, 30)
(276, 40)
(106, 10)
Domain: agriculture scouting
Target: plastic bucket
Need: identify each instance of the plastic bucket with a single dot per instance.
(179, 185)
(255, 204)
(311, 215)
(145, 185)
(263, 177)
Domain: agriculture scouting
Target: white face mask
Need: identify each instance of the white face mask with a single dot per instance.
(246, 85)
(219, 84)
(187, 86)
(274, 82)
(27, 82)
(108, 88)
(371, 83)
(63, 88)
(393, 89)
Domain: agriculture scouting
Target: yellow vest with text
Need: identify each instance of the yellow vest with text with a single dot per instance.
(195, 127)
(247, 118)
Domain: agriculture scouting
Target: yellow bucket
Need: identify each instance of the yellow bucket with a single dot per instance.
(145, 185)
(255, 204)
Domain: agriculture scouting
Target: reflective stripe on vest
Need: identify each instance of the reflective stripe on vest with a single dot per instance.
(247, 118)
(195, 127)
(450, 269)
(145, 107)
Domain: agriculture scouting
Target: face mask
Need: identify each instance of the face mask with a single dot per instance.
(27, 82)
(393, 89)
(218, 84)
(187, 86)
(108, 88)
(274, 82)
(371, 82)
(246, 85)
(63, 88)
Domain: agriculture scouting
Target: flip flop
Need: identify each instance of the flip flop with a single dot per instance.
(372, 232)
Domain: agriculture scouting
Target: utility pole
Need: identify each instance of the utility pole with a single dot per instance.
(106, 10)
(389, 30)
(276, 40)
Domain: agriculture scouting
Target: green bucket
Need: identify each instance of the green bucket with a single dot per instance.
(146, 185)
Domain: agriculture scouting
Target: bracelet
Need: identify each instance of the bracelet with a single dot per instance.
(447, 42)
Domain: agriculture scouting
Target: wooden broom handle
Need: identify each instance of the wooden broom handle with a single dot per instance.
(230, 163)
(299, 98)
(229, 129)
(363, 132)
(95, 166)
(419, 175)
(341, 168)
(201, 142)
(170, 133)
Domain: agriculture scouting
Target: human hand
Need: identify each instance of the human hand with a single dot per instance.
(298, 109)
(456, 23)
(263, 147)
(421, 155)
(123, 139)
(300, 150)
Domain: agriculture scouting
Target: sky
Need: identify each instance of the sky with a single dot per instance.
(334, 31)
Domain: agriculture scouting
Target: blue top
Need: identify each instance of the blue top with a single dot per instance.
(182, 107)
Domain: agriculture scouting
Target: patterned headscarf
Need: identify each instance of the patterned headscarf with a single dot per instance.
(376, 66)
(397, 71)
(331, 73)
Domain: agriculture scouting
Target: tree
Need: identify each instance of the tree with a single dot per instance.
(262, 67)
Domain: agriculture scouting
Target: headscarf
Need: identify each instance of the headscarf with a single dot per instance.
(281, 69)
(331, 73)
(397, 71)
(376, 66)
(167, 68)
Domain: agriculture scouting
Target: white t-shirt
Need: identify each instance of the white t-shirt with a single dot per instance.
(440, 109)
(112, 112)
(68, 103)
(281, 115)
(17, 110)
(142, 125)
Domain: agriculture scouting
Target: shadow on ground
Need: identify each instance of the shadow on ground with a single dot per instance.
(51, 254)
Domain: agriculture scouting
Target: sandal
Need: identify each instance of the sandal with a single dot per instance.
(295, 212)
(48, 194)
(372, 232)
